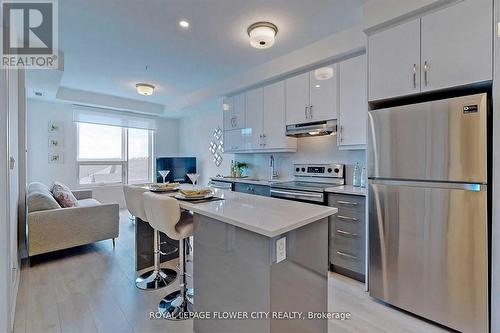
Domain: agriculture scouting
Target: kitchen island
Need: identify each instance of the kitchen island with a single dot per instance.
(240, 268)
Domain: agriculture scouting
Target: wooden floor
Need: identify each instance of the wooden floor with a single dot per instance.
(91, 289)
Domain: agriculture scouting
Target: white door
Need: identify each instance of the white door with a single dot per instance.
(233, 140)
(254, 119)
(394, 61)
(228, 114)
(457, 45)
(239, 111)
(323, 92)
(297, 99)
(13, 172)
(274, 118)
(353, 110)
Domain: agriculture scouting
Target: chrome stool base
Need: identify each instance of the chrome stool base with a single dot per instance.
(175, 307)
(156, 279)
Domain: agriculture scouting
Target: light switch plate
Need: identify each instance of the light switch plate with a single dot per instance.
(281, 249)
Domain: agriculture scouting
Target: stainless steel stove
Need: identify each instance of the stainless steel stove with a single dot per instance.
(310, 182)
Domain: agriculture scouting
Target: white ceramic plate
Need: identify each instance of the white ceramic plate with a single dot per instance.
(159, 189)
(194, 197)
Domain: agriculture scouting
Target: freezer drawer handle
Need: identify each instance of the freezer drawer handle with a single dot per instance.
(347, 255)
(347, 234)
(347, 203)
(347, 218)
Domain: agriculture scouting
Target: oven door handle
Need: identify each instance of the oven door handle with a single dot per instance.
(302, 194)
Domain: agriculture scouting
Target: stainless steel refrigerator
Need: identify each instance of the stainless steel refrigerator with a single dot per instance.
(428, 210)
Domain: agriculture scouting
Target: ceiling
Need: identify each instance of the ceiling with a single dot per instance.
(107, 44)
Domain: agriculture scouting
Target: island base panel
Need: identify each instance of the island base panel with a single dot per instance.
(235, 270)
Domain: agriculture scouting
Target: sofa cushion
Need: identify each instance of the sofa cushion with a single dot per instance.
(63, 195)
(88, 203)
(40, 198)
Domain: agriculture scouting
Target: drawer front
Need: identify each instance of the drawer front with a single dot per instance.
(351, 260)
(348, 232)
(253, 189)
(347, 204)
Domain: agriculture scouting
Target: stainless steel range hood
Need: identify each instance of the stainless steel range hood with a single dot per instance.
(317, 128)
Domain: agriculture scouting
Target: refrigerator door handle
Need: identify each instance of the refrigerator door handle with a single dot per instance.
(476, 187)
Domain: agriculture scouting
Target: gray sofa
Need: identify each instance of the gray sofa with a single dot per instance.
(51, 228)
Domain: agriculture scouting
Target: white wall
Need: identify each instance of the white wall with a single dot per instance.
(39, 169)
(195, 134)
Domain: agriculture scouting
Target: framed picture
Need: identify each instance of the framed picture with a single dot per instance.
(56, 142)
(56, 158)
(55, 127)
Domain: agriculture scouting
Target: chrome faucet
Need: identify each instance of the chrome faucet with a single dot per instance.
(272, 169)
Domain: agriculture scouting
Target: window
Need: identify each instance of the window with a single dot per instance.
(113, 155)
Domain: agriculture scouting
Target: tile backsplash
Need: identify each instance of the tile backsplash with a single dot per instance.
(309, 150)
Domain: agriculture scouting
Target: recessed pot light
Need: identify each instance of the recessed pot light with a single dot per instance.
(145, 89)
(184, 24)
(262, 34)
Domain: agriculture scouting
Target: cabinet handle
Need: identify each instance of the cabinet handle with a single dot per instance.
(305, 112)
(415, 76)
(310, 112)
(346, 218)
(347, 255)
(347, 203)
(341, 134)
(426, 69)
(347, 234)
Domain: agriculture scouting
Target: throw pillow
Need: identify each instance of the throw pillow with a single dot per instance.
(63, 195)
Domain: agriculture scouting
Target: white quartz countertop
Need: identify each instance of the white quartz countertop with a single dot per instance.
(249, 180)
(347, 189)
(267, 216)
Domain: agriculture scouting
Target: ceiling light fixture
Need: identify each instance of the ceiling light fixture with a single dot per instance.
(323, 73)
(184, 24)
(262, 34)
(145, 89)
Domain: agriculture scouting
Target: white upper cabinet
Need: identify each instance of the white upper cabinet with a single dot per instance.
(273, 135)
(254, 113)
(234, 141)
(234, 116)
(323, 95)
(457, 45)
(446, 48)
(353, 103)
(297, 99)
(394, 61)
(310, 98)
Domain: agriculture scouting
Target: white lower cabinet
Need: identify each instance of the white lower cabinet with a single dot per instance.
(353, 104)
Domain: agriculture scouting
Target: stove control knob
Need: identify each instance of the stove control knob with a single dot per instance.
(337, 170)
(329, 170)
(303, 169)
(297, 169)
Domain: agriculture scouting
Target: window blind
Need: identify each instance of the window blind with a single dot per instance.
(102, 116)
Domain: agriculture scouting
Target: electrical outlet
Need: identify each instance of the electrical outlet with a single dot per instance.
(281, 249)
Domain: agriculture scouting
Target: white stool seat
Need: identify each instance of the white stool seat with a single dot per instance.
(158, 277)
(164, 213)
(135, 201)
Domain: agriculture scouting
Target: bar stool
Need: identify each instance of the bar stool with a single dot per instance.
(164, 214)
(158, 277)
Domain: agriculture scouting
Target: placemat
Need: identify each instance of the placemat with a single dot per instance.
(202, 200)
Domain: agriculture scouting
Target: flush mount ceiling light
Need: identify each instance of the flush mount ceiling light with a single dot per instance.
(262, 34)
(145, 89)
(323, 73)
(184, 24)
